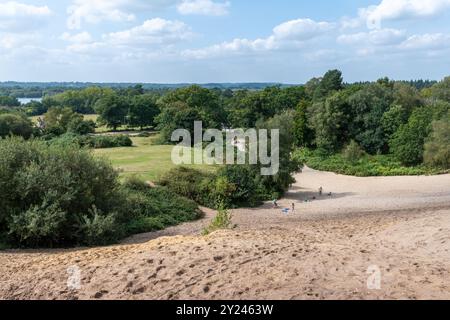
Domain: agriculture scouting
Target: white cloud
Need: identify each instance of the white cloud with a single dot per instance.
(401, 9)
(19, 17)
(203, 7)
(82, 37)
(427, 41)
(95, 11)
(382, 37)
(301, 29)
(154, 31)
(291, 34)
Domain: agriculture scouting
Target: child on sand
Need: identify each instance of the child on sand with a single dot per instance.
(320, 191)
(293, 207)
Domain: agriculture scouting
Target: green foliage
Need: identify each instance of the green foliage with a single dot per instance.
(181, 107)
(244, 108)
(353, 152)
(151, 209)
(223, 220)
(393, 119)
(441, 90)
(59, 120)
(367, 166)
(81, 127)
(46, 190)
(437, 146)
(142, 112)
(8, 101)
(112, 109)
(407, 144)
(407, 97)
(303, 134)
(91, 141)
(331, 81)
(79, 101)
(14, 124)
(55, 195)
(368, 106)
(330, 121)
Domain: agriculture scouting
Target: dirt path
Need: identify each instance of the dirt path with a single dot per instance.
(398, 226)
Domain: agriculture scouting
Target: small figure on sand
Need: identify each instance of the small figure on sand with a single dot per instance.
(320, 191)
(293, 207)
(275, 203)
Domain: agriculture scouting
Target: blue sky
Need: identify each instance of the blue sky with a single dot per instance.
(171, 41)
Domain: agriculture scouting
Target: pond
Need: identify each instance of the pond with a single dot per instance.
(27, 100)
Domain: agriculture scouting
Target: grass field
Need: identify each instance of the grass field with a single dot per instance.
(144, 159)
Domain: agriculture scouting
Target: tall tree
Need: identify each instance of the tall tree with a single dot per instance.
(113, 110)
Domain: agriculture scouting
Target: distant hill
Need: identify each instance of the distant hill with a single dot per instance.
(78, 85)
(39, 89)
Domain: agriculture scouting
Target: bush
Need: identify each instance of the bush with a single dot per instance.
(150, 209)
(353, 152)
(61, 195)
(437, 147)
(97, 142)
(12, 124)
(231, 186)
(221, 221)
(367, 166)
(46, 190)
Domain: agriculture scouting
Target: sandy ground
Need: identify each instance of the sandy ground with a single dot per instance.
(392, 229)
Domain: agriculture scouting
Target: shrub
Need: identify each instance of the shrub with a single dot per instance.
(437, 147)
(407, 144)
(150, 209)
(61, 195)
(230, 186)
(46, 190)
(380, 165)
(12, 124)
(221, 221)
(353, 152)
(97, 142)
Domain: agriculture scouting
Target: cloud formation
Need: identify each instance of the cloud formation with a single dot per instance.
(203, 7)
(293, 33)
(19, 17)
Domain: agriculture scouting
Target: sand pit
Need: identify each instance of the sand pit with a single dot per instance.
(328, 249)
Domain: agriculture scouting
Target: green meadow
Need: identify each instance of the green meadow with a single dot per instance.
(145, 159)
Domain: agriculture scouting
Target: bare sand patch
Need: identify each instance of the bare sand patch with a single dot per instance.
(322, 251)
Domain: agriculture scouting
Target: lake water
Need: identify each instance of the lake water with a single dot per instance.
(27, 100)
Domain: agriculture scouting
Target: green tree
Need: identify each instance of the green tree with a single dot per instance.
(13, 124)
(331, 81)
(393, 119)
(407, 144)
(330, 121)
(205, 102)
(437, 146)
(303, 134)
(112, 110)
(143, 110)
(441, 90)
(57, 119)
(7, 101)
(368, 106)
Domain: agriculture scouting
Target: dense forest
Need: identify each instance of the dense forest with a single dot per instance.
(56, 193)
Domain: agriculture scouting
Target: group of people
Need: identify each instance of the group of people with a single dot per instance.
(275, 202)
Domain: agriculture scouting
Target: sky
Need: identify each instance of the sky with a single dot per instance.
(203, 41)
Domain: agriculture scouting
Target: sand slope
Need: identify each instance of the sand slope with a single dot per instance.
(398, 225)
